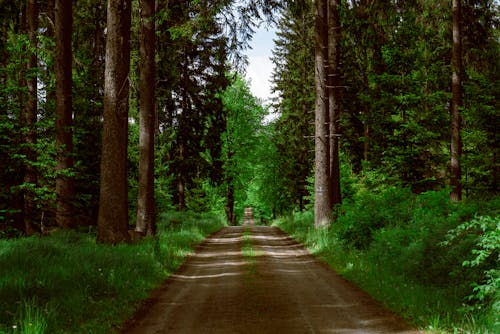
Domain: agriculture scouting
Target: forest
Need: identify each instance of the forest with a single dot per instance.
(128, 133)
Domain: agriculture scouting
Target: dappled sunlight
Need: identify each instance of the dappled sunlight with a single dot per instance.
(260, 279)
(199, 277)
(216, 254)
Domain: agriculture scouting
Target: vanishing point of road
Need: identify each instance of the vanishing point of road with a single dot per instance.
(257, 279)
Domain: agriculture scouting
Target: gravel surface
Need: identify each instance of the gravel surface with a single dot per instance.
(256, 279)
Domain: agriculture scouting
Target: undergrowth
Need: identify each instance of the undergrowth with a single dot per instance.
(432, 261)
(66, 283)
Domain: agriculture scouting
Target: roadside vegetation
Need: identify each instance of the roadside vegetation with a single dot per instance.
(67, 283)
(434, 262)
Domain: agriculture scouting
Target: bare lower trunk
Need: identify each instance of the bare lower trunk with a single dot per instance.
(112, 222)
(65, 189)
(146, 205)
(366, 143)
(456, 104)
(322, 161)
(231, 218)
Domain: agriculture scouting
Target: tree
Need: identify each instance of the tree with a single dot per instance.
(241, 141)
(146, 205)
(456, 104)
(30, 115)
(112, 222)
(322, 203)
(293, 77)
(334, 96)
(65, 190)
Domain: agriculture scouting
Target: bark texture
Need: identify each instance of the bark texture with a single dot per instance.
(112, 222)
(322, 204)
(456, 104)
(65, 189)
(146, 205)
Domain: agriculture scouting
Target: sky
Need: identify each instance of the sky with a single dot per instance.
(260, 67)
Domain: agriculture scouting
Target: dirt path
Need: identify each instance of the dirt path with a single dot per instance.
(272, 286)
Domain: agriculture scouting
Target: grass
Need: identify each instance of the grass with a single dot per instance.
(66, 283)
(430, 307)
(248, 251)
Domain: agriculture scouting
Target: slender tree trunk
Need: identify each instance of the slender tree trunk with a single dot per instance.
(231, 219)
(180, 177)
(65, 189)
(146, 204)
(366, 143)
(112, 221)
(456, 104)
(30, 114)
(334, 96)
(322, 204)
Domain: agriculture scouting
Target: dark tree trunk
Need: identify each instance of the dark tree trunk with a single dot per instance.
(146, 204)
(112, 222)
(334, 96)
(456, 104)
(65, 189)
(322, 204)
(231, 219)
(180, 177)
(30, 119)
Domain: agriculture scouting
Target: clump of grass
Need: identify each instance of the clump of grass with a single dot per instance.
(66, 283)
(32, 320)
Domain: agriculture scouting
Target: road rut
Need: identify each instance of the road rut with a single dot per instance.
(274, 286)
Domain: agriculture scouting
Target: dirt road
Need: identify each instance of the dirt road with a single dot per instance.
(256, 279)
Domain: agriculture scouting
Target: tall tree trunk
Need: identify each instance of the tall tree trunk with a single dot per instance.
(65, 188)
(334, 96)
(146, 204)
(456, 104)
(112, 221)
(322, 204)
(30, 115)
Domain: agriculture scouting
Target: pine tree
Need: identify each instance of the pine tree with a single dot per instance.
(334, 97)
(112, 223)
(65, 190)
(30, 115)
(456, 104)
(146, 204)
(322, 202)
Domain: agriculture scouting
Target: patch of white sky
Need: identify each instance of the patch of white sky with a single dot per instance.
(260, 66)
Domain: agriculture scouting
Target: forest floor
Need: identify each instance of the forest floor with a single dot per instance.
(257, 279)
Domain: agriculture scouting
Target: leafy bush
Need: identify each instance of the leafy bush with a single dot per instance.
(367, 213)
(484, 231)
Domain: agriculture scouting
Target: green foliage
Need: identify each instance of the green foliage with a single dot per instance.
(67, 283)
(434, 262)
(248, 151)
(293, 78)
(485, 234)
(367, 212)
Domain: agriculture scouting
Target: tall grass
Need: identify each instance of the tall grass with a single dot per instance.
(396, 246)
(66, 283)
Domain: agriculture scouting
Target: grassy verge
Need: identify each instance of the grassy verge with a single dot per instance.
(406, 264)
(66, 283)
